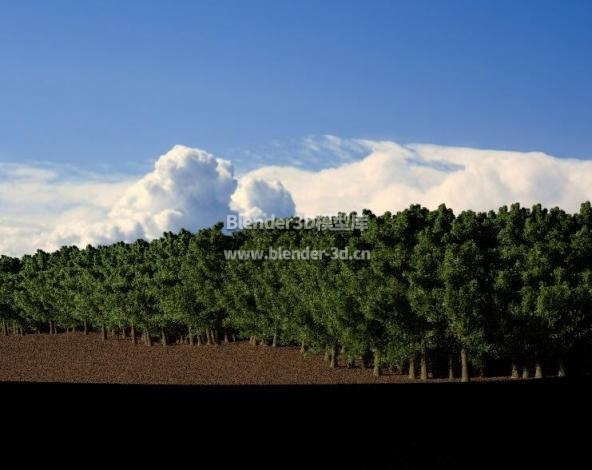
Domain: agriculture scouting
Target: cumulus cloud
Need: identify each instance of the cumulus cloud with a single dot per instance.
(393, 176)
(47, 207)
(256, 198)
(36, 200)
(188, 188)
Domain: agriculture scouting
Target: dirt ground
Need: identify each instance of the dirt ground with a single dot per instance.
(74, 357)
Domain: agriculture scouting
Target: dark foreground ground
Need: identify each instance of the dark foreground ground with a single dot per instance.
(241, 406)
(74, 357)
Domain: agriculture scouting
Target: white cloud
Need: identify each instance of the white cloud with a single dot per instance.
(188, 188)
(392, 176)
(46, 207)
(258, 199)
(34, 201)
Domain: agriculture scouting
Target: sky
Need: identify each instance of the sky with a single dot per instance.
(103, 83)
(239, 105)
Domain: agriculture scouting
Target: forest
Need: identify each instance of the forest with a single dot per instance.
(443, 295)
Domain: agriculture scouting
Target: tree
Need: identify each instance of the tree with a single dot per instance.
(202, 272)
(465, 278)
(546, 291)
(508, 284)
(426, 289)
(9, 269)
(513, 285)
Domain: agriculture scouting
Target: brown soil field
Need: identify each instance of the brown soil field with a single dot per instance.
(74, 357)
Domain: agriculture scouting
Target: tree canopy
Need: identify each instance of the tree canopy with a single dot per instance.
(440, 292)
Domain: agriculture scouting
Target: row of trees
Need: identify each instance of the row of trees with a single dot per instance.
(440, 294)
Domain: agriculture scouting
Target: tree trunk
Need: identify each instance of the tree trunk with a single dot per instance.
(163, 338)
(302, 347)
(333, 357)
(226, 341)
(464, 360)
(124, 332)
(133, 333)
(85, 327)
(525, 372)
(450, 367)
(515, 373)
(538, 373)
(216, 336)
(423, 366)
(562, 372)
(4, 329)
(412, 369)
(50, 327)
(198, 339)
(274, 341)
(364, 361)
(376, 370)
(327, 357)
(103, 332)
(190, 335)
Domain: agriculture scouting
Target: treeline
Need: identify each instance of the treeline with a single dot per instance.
(442, 295)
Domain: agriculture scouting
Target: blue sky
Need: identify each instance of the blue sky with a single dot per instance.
(116, 84)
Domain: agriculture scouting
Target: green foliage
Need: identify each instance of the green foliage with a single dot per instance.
(515, 284)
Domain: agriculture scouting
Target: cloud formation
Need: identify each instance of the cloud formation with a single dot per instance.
(188, 188)
(47, 207)
(392, 176)
(257, 198)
